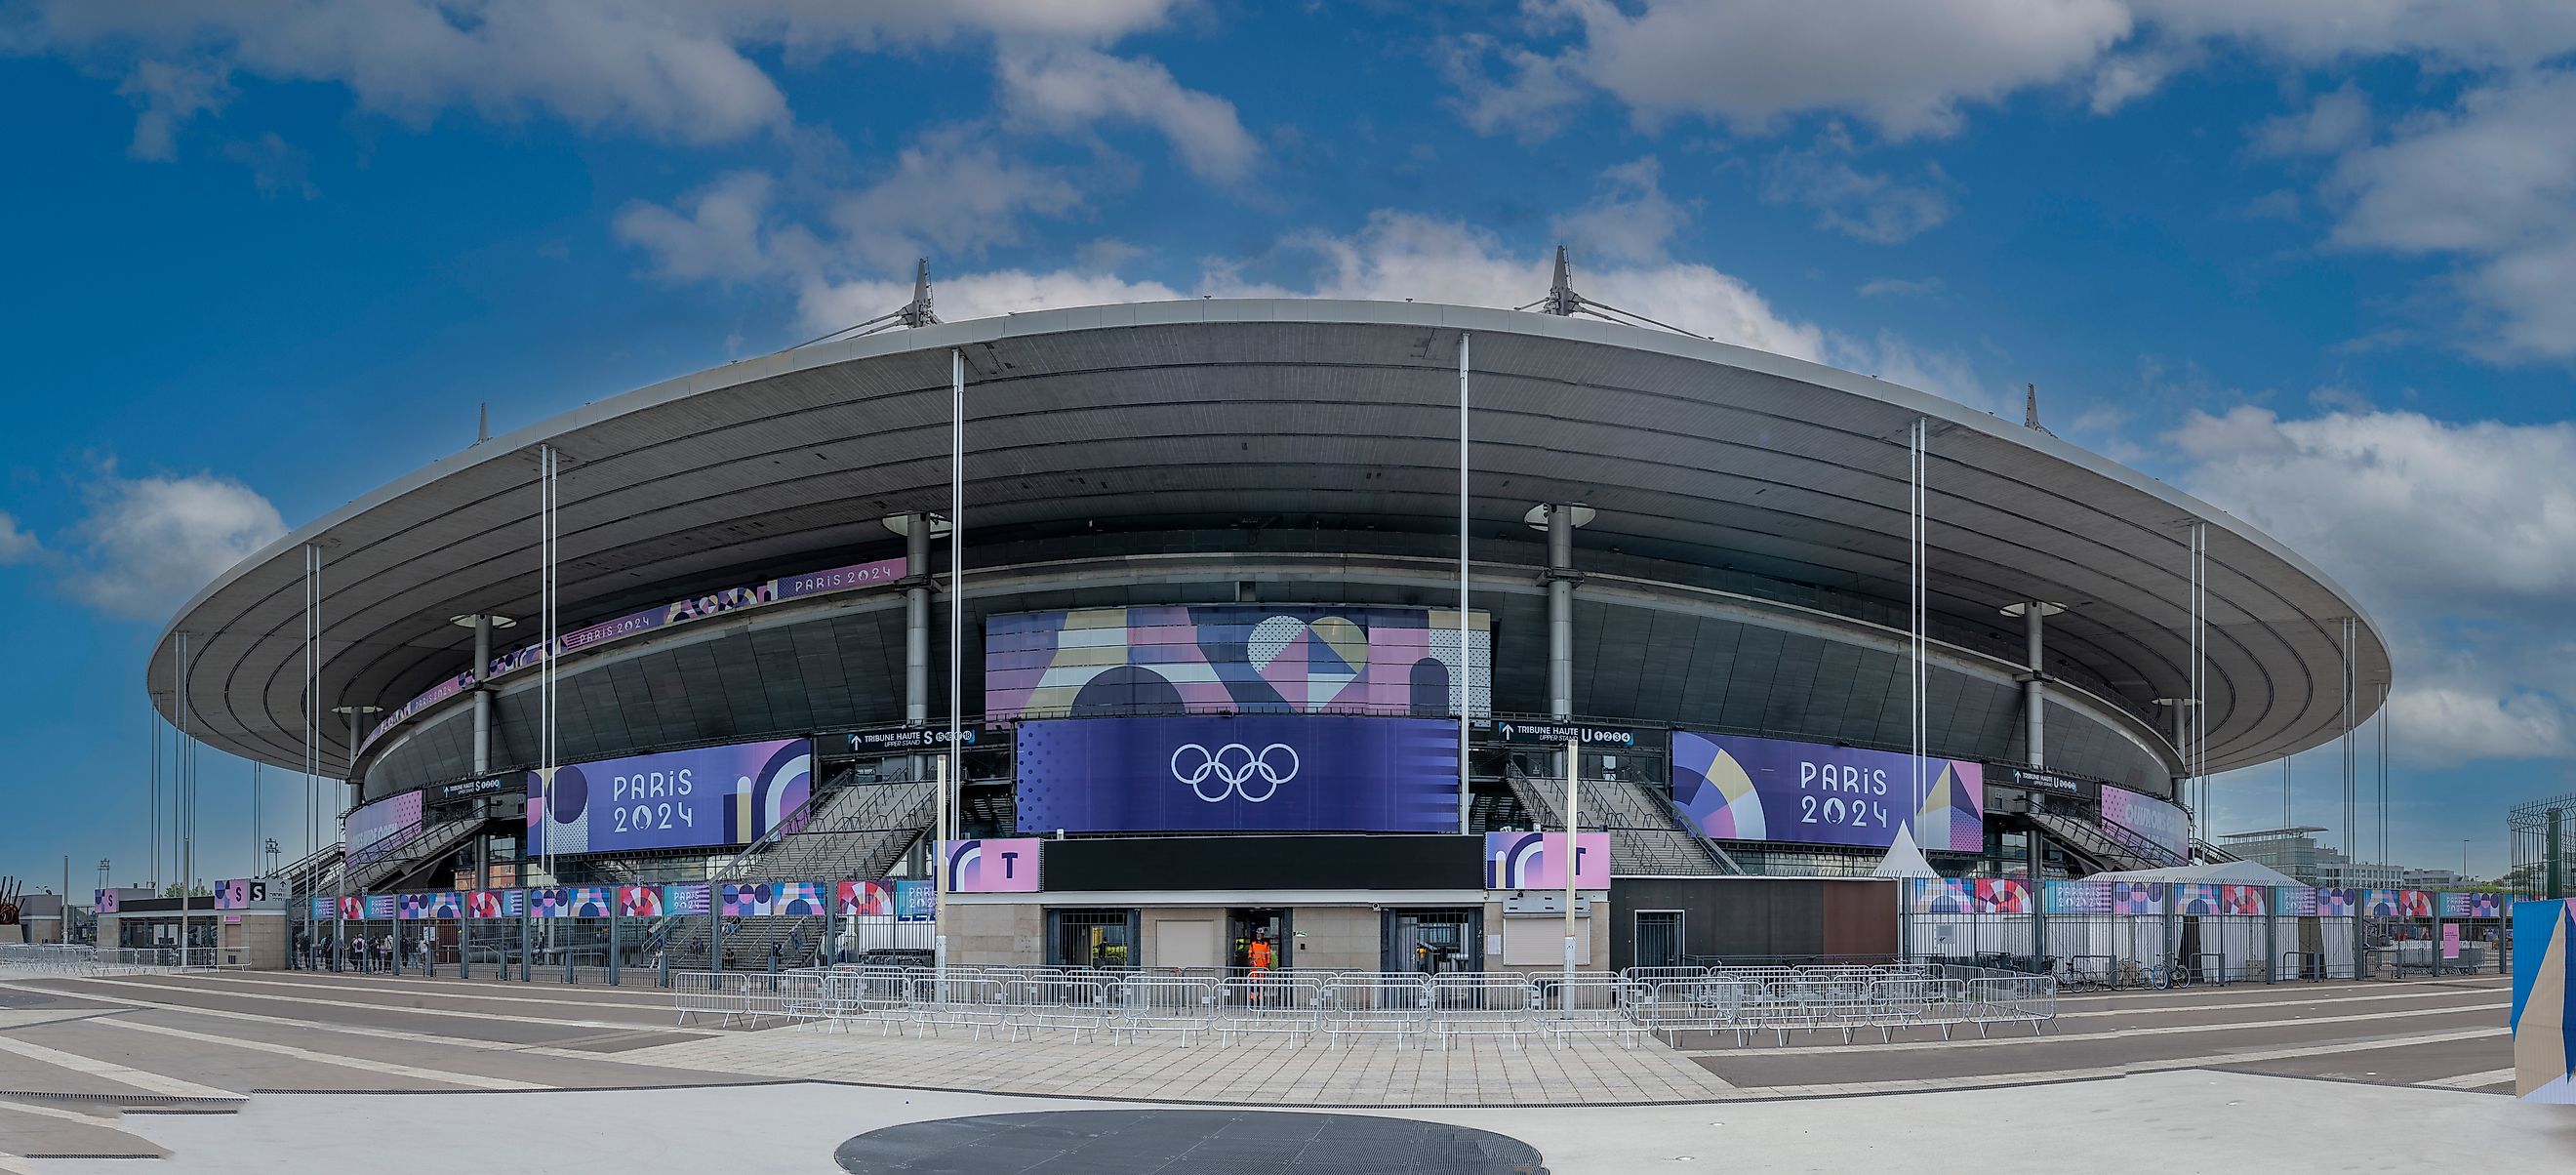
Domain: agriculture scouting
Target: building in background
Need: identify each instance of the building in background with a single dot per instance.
(1216, 678)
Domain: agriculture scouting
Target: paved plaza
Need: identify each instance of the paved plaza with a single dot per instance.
(261, 1072)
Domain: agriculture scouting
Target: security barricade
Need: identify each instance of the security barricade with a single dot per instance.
(707, 993)
(1081, 1006)
(1587, 1007)
(1268, 1005)
(1362, 1004)
(1915, 1003)
(1671, 1007)
(1163, 1003)
(2013, 999)
(974, 1004)
(1487, 1003)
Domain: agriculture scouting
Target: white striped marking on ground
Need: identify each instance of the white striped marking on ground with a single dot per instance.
(165, 989)
(451, 1077)
(2045, 1076)
(15, 1165)
(2340, 989)
(147, 1082)
(643, 999)
(489, 1046)
(2471, 1080)
(2013, 1030)
(2168, 1008)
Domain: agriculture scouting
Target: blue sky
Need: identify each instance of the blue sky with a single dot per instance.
(2314, 260)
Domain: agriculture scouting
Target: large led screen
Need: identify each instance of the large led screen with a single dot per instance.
(1249, 772)
(1235, 658)
(728, 795)
(2151, 820)
(381, 829)
(1740, 788)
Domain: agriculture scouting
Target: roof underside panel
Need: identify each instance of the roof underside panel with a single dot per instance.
(1204, 416)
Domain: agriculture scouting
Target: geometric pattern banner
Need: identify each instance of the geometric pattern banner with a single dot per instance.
(1235, 658)
(2544, 1003)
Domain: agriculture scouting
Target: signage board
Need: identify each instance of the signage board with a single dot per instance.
(1565, 732)
(2046, 782)
(452, 793)
(1246, 772)
(910, 738)
(1735, 787)
(1006, 865)
(728, 795)
(1536, 860)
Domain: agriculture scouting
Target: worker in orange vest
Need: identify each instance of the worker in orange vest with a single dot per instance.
(1263, 955)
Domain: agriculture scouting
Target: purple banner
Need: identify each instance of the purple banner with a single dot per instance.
(687, 897)
(1008, 865)
(381, 829)
(1967, 895)
(732, 599)
(2149, 819)
(1740, 788)
(728, 795)
(1247, 772)
(1235, 658)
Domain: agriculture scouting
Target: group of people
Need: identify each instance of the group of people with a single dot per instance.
(383, 953)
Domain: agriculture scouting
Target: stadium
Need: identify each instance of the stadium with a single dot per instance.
(1260, 621)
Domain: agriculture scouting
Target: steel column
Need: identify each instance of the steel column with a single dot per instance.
(1560, 611)
(482, 694)
(2034, 696)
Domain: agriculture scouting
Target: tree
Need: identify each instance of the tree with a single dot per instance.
(174, 889)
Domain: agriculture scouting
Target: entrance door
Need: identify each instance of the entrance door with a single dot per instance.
(1092, 938)
(1659, 938)
(1246, 927)
(1433, 942)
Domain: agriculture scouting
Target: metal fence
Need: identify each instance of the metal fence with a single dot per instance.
(1509, 1007)
(76, 960)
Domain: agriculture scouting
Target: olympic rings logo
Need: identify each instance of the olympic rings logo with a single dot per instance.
(1234, 765)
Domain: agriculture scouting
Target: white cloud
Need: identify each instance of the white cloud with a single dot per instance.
(950, 194)
(1066, 88)
(2461, 539)
(1866, 206)
(728, 234)
(166, 94)
(1908, 68)
(148, 543)
(1904, 66)
(2333, 123)
(2491, 183)
(1631, 220)
(676, 69)
(16, 546)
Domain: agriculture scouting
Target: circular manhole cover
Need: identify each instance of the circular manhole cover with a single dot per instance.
(1187, 1142)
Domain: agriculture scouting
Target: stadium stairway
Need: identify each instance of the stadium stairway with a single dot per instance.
(2091, 842)
(1648, 837)
(857, 834)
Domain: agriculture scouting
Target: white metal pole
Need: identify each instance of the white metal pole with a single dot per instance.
(1573, 800)
(179, 797)
(951, 766)
(1916, 616)
(1466, 652)
(939, 871)
(152, 732)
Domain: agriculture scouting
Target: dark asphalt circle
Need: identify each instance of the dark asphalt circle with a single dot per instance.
(1185, 1142)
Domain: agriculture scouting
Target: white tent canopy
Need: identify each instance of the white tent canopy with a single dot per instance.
(2210, 873)
(1904, 858)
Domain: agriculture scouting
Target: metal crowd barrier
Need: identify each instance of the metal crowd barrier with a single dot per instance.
(1401, 1007)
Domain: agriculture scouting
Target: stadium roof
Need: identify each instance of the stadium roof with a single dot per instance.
(1688, 450)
